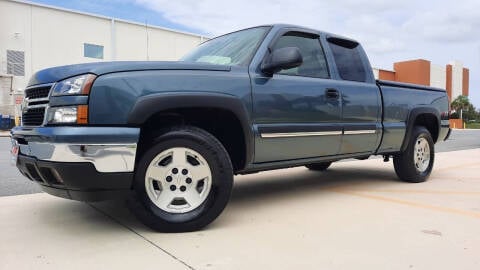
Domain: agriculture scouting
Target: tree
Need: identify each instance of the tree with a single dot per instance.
(461, 103)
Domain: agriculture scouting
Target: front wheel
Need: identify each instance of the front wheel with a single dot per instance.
(415, 164)
(183, 182)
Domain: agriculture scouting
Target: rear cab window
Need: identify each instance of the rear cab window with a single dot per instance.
(348, 59)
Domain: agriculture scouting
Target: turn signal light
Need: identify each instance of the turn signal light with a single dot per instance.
(82, 114)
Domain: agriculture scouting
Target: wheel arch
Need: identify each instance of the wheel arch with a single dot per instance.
(196, 105)
(426, 117)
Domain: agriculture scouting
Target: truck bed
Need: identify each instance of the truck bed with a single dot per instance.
(408, 85)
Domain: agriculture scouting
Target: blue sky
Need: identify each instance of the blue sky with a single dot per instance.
(390, 31)
(127, 10)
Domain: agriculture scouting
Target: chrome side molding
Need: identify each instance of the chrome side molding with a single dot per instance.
(300, 134)
(319, 133)
(357, 132)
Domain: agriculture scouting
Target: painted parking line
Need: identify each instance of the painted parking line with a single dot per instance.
(455, 178)
(441, 192)
(410, 203)
(458, 166)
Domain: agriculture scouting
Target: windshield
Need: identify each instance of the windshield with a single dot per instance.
(231, 49)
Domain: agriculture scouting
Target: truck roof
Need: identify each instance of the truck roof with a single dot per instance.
(320, 32)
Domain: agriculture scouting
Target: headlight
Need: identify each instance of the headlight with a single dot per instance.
(68, 115)
(78, 85)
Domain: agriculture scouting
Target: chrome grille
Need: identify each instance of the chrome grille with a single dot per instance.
(33, 117)
(35, 104)
(37, 92)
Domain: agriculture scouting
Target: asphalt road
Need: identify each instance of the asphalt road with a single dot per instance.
(13, 183)
(460, 140)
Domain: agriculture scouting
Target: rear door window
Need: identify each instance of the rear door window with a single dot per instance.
(348, 59)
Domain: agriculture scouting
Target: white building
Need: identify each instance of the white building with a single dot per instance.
(35, 36)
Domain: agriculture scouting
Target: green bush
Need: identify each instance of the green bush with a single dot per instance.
(454, 115)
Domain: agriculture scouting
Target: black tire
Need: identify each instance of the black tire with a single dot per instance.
(404, 162)
(222, 180)
(319, 166)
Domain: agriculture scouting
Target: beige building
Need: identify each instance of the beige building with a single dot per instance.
(35, 36)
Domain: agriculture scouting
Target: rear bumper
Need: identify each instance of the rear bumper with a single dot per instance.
(80, 163)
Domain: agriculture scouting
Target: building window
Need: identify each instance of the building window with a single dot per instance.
(92, 51)
(16, 63)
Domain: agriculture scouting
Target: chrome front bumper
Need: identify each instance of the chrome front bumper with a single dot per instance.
(109, 149)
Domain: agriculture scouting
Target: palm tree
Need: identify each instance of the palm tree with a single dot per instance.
(460, 103)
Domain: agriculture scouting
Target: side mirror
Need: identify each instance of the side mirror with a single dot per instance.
(283, 58)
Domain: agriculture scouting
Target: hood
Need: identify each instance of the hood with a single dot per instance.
(55, 74)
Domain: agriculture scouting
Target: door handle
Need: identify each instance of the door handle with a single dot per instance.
(332, 93)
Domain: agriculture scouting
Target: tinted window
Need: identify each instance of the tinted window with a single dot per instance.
(92, 51)
(314, 62)
(348, 60)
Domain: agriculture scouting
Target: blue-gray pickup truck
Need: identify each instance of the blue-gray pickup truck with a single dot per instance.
(169, 136)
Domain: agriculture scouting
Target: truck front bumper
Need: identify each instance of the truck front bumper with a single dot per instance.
(80, 163)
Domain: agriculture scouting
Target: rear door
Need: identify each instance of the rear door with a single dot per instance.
(297, 112)
(360, 96)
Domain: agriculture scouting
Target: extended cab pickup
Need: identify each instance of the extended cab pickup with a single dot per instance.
(171, 135)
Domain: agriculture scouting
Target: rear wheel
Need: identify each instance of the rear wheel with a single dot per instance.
(319, 166)
(416, 163)
(183, 182)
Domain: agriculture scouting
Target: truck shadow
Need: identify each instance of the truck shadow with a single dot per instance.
(299, 181)
(269, 188)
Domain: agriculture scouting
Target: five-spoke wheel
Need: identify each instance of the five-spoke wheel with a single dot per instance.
(416, 163)
(182, 181)
(421, 156)
(178, 180)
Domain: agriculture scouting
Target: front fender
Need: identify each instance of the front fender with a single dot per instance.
(147, 106)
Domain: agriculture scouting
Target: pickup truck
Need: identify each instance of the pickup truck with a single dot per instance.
(169, 136)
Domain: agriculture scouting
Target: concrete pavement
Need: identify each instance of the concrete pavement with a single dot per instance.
(43, 232)
(357, 215)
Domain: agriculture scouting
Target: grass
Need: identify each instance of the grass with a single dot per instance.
(473, 125)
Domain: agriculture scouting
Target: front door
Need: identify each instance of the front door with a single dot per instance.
(297, 112)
